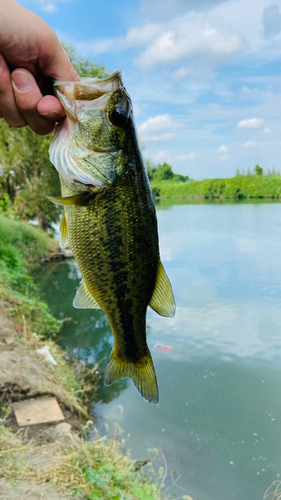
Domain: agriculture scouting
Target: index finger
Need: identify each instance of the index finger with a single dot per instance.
(54, 62)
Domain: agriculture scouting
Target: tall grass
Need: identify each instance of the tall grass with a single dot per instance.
(96, 469)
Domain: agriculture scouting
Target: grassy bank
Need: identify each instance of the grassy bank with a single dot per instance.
(96, 469)
(22, 246)
(239, 187)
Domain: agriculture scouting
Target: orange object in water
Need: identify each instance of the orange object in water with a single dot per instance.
(162, 348)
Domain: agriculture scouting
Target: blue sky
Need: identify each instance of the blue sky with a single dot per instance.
(204, 75)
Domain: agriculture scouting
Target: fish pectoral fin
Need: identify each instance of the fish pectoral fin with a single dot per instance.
(163, 301)
(83, 299)
(63, 232)
(78, 200)
(142, 373)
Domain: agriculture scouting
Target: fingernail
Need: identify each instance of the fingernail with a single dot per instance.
(21, 81)
(50, 114)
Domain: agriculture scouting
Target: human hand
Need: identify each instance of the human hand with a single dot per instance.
(30, 55)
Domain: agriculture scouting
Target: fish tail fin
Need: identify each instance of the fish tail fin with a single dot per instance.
(142, 373)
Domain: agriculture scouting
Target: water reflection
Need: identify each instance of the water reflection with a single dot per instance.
(88, 334)
(220, 407)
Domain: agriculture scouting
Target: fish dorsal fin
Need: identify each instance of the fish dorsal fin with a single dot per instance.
(163, 301)
(83, 299)
(63, 232)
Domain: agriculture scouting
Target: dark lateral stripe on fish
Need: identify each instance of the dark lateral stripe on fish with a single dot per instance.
(124, 304)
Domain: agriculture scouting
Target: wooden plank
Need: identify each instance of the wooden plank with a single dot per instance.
(37, 411)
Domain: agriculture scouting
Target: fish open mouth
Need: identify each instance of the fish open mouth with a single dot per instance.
(78, 151)
(95, 91)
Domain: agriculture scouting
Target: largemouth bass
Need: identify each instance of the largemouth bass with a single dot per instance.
(110, 222)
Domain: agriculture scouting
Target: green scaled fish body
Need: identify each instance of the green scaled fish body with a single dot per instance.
(110, 222)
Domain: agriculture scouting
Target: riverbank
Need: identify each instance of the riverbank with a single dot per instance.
(238, 187)
(51, 460)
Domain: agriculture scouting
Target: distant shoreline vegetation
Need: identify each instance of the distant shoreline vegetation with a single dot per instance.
(166, 184)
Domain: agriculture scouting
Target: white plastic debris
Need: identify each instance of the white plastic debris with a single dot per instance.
(45, 351)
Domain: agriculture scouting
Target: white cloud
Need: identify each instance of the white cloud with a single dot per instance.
(143, 35)
(250, 144)
(251, 94)
(184, 72)
(224, 157)
(135, 37)
(246, 91)
(167, 8)
(244, 18)
(190, 40)
(223, 148)
(160, 155)
(187, 156)
(271, 19)
(185, 41)
(164, 155)
(208, 32)
(47, 5)
(160, 122)
(250, 123)
(266, 130)
(90, 47)
(163, 137)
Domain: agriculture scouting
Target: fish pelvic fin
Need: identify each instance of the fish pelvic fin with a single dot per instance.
(79, 200)
(83, 299)
(162, 300)
(142, 373)
(63, 232)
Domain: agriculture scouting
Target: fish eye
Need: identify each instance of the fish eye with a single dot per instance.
(118, 117)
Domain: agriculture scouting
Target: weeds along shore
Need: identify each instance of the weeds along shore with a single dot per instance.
(58, 461)
(240, 187)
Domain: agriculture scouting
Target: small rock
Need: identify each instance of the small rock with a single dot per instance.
(67, 253)
(62, 429)
(61, 433)
(54, 256)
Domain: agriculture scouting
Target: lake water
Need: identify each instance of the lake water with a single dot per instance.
(219, 416)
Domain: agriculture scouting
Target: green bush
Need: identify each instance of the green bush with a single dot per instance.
(163, 172)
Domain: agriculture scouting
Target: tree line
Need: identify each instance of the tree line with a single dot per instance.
(258, 171)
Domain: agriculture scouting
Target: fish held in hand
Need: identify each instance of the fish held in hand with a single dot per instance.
(110, 222)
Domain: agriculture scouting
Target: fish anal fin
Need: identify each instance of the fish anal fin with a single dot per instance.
(142, 373)
(63, 232)
(163, 301)
(83, 299)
